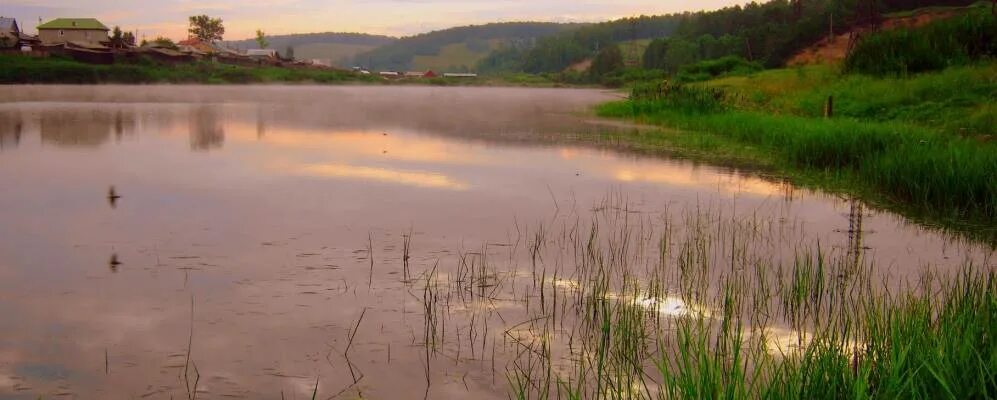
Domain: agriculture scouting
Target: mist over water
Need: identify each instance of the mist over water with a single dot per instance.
(256, 225)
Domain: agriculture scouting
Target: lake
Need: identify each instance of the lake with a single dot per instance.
(377, 241)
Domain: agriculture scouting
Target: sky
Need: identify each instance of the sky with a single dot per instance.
(168, 18)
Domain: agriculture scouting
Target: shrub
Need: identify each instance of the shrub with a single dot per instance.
(709, 69)
(657, 96)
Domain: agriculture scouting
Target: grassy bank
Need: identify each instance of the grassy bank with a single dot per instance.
(16, 69)
(19, 69)
(922, 145)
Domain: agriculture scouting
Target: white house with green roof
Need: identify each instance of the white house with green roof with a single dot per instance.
(63, 30)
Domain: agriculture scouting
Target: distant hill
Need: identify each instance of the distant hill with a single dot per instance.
(455, 49)
(336, 47)
(768, 32)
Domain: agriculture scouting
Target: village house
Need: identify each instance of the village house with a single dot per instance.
(81, 30)
(10, 34)
(418, 74)
(262, 53)
(196, 46)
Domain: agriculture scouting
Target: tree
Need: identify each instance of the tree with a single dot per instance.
(117, 38)
(261, 39)
(609, 60)
(289, 53)
(128, 38)
(165, 43)
(654, 55)
(205, 28)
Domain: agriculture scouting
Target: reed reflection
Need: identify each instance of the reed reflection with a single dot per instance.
(85, 127)
(11, 128)
(206, 129)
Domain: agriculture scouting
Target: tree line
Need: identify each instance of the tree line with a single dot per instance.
(766, 33)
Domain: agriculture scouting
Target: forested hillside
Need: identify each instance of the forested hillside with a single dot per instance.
(337, 47)
(459, 48)
(767, 33)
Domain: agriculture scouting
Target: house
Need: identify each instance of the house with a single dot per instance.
(262, 53)
(390, 74)
(459, 75)
(417, 74)
(196, 46)
(80, 30)
(10, 34)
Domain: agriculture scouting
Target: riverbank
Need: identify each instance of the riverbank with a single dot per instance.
(16, 69)
(923, 146)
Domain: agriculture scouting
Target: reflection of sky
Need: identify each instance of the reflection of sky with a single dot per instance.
(392, 17)
(262, 213)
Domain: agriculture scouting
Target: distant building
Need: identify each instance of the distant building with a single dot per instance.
(82, 30)
(262, 53)
(10, 34)
(196, 46)
(418, 74)
(390, 74)
(459, 75)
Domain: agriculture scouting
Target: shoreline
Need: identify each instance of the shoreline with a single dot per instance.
(695, 138)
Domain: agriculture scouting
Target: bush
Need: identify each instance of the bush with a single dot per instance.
(652, 97)
(709, 69)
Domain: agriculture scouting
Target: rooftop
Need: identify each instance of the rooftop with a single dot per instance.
(7, 23)
(73, 23)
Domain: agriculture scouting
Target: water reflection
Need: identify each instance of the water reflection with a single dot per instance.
(412, 178)
(270, 232)
(113, 197)
(10, 130)
(74, 127)
(206, 129)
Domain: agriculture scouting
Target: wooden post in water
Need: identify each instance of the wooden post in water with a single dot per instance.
(829, 107)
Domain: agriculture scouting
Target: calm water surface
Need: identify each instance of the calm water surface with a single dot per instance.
(257, 224)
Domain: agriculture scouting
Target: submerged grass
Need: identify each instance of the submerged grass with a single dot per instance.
(706, 319)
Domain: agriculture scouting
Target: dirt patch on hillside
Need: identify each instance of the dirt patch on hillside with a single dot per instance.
(835, 49)
(580, 66)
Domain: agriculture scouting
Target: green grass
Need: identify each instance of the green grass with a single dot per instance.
(455, 55)
(958, 100)
(18, 69)
(926, 174)
(910, 13)
(818, 326)
(922, 145)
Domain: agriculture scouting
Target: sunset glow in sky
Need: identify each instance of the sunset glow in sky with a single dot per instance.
(389, 17)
